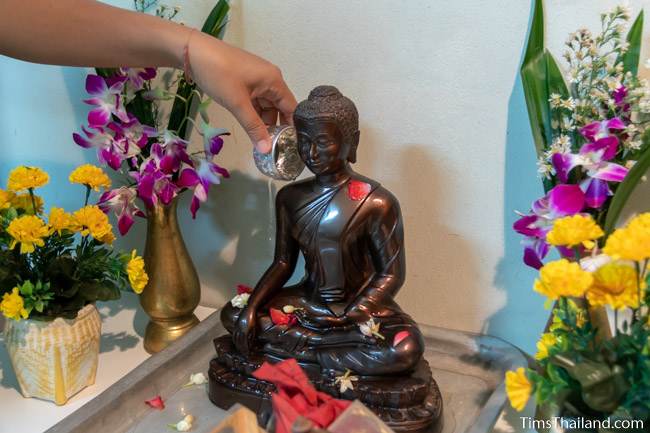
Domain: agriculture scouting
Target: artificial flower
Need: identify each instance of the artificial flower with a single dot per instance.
(26, 202)
(92, 221)
(547, 341)
(345, 382)
(156, 403)
(25, 178)
(562, 278)
(616, 285)
(399, 337)
(107, 101)
(59, 221)
(183, 425)
(122, 201)
(574, 230)
(5, 199)
(518, 388)
(13, 305)
(91, 176)
(280, 318)
(196, 379)
(28, 231)
(138, 277)
(358, 190)
(240, 300)
(371, 329)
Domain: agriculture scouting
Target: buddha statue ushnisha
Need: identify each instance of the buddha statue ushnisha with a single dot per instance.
(341, 319)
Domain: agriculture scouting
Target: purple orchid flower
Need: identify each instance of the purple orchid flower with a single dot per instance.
(110, 146)
(154, 185)
(200, 180)
(562, 200)
(594, 159)
(107, 101)
(135, 77)
(122, 202)
(212, 140)
(135, 134)
(171, 153)
(619, 96)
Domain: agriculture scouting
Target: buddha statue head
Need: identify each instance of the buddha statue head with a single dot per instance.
(327, 126)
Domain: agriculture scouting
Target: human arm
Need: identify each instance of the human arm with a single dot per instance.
(90, 33)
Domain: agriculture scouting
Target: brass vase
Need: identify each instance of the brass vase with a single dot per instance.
(173, 291)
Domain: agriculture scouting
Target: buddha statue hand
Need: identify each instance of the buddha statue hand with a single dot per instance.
(244, 330)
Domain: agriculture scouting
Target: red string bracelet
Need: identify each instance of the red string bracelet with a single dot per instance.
(187, 67)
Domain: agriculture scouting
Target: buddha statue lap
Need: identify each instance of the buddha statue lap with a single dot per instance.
(344, 318)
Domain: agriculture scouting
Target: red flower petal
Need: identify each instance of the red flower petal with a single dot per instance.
(242, 288)
(358, 190)
(401, 335)
(278, 317)
(156, 403)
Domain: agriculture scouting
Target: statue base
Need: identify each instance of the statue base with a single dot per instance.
(408, 403)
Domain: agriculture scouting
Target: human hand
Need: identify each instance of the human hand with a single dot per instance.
(244, 332)
(251, 88)
(320, 322)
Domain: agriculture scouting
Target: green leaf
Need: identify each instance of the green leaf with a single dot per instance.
(39, 306)
(631, 57)
(625, 188)
(535, 45)
(215, 22)
(27, 288)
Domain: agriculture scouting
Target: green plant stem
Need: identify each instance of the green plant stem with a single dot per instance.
(615, 322)
(87, 195)
(31, 195)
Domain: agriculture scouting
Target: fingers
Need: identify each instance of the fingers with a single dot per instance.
(252, 123)
(267, 111)
(284, 101)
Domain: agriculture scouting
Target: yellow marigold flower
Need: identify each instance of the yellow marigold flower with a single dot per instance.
(562, 278)
(13, 306)
(22, 178)
(547, 341)
(60, 220)
(91, 176)
(92, 221)
(518, 388)
(29, 231)
(5, 199)
(574, 230)
(631, 242)
(137, 275)
(615, 285)
(24, 202)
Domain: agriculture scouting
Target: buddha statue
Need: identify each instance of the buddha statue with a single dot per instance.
(344, 318)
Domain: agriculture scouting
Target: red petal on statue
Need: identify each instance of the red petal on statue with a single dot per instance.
(278, 317)
(156, 403)
(242, 288)
(358, 190)
(399, 337)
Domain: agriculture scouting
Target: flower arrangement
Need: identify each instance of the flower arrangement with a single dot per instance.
(52, 266)
(131, 135)
(591, 135)
(577, 373)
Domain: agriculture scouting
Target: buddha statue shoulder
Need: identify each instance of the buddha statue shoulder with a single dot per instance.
(349, 230)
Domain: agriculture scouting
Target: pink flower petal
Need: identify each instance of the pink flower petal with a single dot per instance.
(399, 337)
(156, 403)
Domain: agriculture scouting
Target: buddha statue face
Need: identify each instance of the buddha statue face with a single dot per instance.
(327, 126)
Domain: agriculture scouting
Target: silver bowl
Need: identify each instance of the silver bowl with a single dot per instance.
(283, 162)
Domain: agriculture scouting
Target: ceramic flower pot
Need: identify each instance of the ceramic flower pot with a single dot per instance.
(54, 360)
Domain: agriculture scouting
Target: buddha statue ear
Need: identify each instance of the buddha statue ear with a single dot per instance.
(352, 156)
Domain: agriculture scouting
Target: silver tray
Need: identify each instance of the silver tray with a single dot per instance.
(469, 369)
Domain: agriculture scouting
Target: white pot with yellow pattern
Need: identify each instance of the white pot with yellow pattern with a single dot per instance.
(54, 360)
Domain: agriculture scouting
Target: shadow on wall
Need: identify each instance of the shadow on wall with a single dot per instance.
(523, 317)
(441, 264)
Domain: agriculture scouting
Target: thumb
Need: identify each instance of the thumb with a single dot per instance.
(253, 125)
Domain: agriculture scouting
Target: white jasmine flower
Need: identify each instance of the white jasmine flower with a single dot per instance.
(370, 328)
(568, 103)
(183, 425)
(345, 381)
(288, 309)
(197, 379)
(561, 144)
(240, 301)
(556, 99)
(544, 169)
